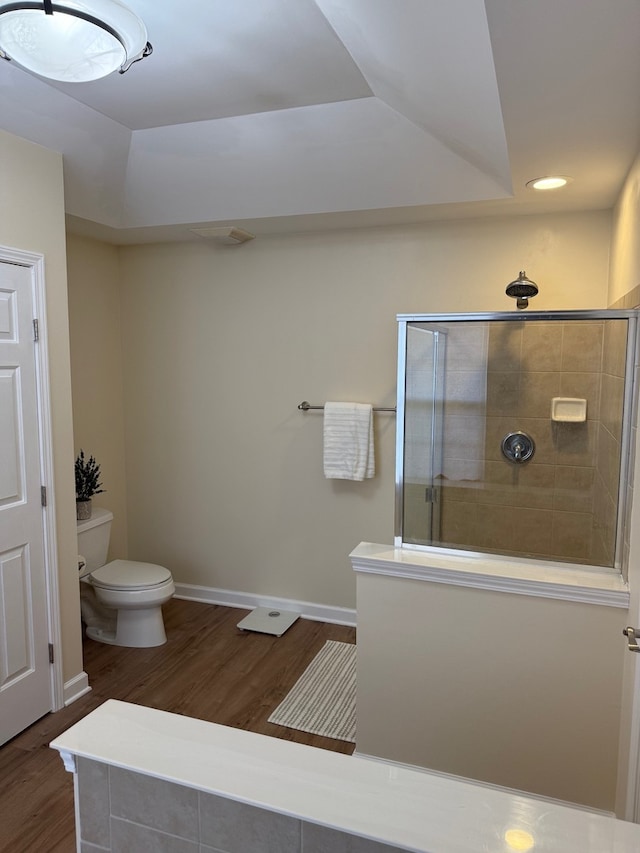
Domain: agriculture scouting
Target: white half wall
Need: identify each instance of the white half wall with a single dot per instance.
(509, 689)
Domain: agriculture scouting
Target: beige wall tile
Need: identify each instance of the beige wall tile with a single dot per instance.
(612, 401)
(573, 489)
(576, 444)
(584, 385)
(496, 529)
(466, 346)
(459, 524)
(530, 531)
(542, 346)
(503, 390)
(582, 347)
(571, 535)
(505, 347)
(615, 347)
(536, 393)
(464, 437)
(463, 490)
(535, 484)
(604, 518)
(608, 460)
(500, 479)
(465, 393)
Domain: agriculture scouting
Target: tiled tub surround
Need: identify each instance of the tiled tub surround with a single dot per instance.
(151, 781)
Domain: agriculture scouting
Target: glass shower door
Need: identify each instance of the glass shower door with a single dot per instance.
(557, 383)
(423, 425)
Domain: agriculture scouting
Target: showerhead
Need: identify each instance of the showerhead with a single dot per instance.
(522, 290)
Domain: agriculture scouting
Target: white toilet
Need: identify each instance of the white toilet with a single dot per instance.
(121, 601)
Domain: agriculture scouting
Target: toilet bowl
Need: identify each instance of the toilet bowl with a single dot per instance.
(121, 601)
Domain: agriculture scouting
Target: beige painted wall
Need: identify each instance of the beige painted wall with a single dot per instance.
(32, 219)
(509, 689)
(625, 239)
(96, 371)
(224, 474)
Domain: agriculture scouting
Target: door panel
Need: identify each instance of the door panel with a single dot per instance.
(10, 446)
(25, 680)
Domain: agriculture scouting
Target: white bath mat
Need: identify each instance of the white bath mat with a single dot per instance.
(323, 699)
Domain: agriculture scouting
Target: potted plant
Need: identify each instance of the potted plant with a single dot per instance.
(87, 484)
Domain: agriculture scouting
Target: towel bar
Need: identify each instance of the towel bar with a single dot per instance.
(304, 406)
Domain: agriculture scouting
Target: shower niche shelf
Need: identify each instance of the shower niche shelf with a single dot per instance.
(568, 410)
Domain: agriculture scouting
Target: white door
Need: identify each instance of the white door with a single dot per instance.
(25, 677)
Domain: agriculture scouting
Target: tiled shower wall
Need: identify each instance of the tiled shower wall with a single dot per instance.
(630, 300)
(561, 504)
(121, 812)
(607, 471)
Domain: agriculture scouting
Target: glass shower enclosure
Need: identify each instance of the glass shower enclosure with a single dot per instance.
(513, 433)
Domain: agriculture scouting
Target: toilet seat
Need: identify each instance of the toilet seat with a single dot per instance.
(130, 575)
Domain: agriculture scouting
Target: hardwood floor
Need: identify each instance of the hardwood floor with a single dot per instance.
(208, 669)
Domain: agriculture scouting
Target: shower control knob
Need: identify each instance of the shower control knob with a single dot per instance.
(518, 447)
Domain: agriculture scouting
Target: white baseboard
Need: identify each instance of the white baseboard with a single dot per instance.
(76, 687)
(248, 601)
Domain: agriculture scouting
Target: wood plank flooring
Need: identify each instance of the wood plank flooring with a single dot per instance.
(208, 669)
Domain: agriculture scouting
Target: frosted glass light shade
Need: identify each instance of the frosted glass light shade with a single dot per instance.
(80, 41)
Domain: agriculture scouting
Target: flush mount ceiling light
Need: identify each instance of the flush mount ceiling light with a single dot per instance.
(550, 182)
(73, 40)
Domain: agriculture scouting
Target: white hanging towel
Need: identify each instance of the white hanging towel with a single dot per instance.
(348, 441)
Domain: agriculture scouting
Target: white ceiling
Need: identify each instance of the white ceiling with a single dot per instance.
(301, 114)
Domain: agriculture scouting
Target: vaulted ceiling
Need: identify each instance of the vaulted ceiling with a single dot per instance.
(299, 114)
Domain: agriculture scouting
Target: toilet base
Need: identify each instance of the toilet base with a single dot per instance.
(138, 629)
(100, 635)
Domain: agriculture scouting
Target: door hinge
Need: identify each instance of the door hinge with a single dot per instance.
(431, 495)
(36, 331)
(43, 495)
(50, 652)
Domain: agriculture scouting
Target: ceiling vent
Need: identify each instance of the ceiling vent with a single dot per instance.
(228, 235)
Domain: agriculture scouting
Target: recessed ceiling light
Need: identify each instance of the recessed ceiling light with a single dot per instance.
(549, 182)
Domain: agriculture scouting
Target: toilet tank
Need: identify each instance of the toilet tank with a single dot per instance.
(93, 538)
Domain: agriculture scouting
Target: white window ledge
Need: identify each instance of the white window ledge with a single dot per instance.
(563, 581)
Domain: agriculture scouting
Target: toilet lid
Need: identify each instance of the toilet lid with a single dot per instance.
(129, 574)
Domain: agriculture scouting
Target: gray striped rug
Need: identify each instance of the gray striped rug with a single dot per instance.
(323, 699)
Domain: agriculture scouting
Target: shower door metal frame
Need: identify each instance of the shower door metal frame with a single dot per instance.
(436, 436)
(629, 412)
